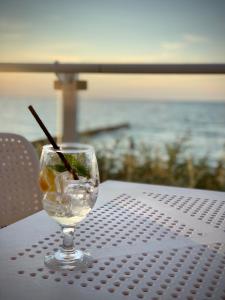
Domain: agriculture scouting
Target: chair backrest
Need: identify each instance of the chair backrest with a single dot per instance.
(19, 166)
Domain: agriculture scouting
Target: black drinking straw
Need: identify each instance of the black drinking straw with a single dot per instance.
(52, 141)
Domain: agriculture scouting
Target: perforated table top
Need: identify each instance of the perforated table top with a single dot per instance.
(148, 242)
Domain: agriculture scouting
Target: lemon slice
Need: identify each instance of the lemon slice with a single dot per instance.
(47, 180)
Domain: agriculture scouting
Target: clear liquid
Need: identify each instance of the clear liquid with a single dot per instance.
(70, 208)
(72, 220)
(67, 214)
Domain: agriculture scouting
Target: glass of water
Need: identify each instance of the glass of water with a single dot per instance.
(68, 200)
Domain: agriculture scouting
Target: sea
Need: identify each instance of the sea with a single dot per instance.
(151, 123)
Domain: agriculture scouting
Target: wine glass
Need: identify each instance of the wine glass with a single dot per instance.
(68, 200)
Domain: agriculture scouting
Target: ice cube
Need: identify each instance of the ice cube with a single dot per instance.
(92, 192)
(61, 181)
(52, 203)
(76, 189)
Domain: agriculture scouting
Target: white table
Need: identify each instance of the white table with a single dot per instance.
(149, 242)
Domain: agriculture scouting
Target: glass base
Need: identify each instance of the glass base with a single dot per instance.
(68, 260)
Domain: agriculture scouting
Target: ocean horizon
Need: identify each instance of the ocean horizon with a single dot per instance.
(154, 123)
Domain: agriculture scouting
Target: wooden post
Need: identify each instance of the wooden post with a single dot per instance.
(69, 85)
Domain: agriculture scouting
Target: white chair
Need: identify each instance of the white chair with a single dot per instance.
(19, 192)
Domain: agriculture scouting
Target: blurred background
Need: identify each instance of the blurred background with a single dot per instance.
(162, 129)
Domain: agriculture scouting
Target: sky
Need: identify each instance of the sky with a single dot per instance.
(135, 31)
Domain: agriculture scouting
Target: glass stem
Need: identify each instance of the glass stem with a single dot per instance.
(68, 236)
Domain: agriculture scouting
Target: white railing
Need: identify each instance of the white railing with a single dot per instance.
(69, 84)
(115, 68)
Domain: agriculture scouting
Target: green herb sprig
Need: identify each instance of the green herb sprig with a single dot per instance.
(78, 166)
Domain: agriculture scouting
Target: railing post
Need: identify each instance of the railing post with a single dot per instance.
(69, 85)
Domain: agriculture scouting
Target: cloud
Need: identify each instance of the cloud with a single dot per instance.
(186, 41)
(172, 45)
(12, 30)
(7, 25)
(10, 36)
(65, 47)
(193, 38)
